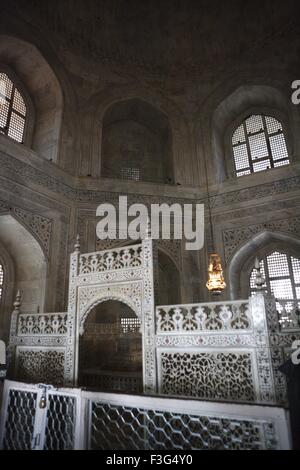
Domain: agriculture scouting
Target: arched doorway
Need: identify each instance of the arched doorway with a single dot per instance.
(110, 349)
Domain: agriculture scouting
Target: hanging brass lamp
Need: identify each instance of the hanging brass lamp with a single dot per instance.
(216, 283)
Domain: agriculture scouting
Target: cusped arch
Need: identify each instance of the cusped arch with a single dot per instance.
(105, 298)
(241, 263)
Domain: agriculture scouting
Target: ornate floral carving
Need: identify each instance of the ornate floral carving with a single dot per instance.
(271, 313)
(92, 287)
(41, 365)
(38, 340)
(216, 326)
(171, 247)
(121, 258)
(257, 192)
(284, 339)
(223, 325)
(279, 378)
(265, 376)
(208, 375)
(89, 296)
(210, 340)
(15, 167)
(233, 238)
(71, 323)
(40, 226)
(202, 317)
(44, 324)
(150, 368)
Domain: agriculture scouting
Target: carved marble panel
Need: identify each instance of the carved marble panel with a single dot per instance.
(41, 365)
(219, 375)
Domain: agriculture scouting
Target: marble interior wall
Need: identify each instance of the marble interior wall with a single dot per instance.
(89, 119)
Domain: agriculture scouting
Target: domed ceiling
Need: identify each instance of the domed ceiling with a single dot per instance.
(166, 36)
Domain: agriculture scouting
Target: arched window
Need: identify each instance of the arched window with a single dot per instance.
(12, 109)
(282, 274)
(259, 144)
(1, 281)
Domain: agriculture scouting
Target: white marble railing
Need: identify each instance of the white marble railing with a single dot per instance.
(118, 258)
(231, 315)
(42, 324)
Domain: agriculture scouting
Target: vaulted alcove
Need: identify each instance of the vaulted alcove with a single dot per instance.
(136, 143)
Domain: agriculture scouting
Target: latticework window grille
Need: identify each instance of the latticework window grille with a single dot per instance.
(12, 110)
(132, 174)
(130, 325)
(1, 281)
(259, 144)
(282, 274)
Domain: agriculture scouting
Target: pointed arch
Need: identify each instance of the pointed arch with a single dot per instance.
(29, 262)
(241, 263)
(100, 103)
(43, 86)
(236, 97)
(258, 142)
(105, 297)
(136, 142)
(17, 113)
